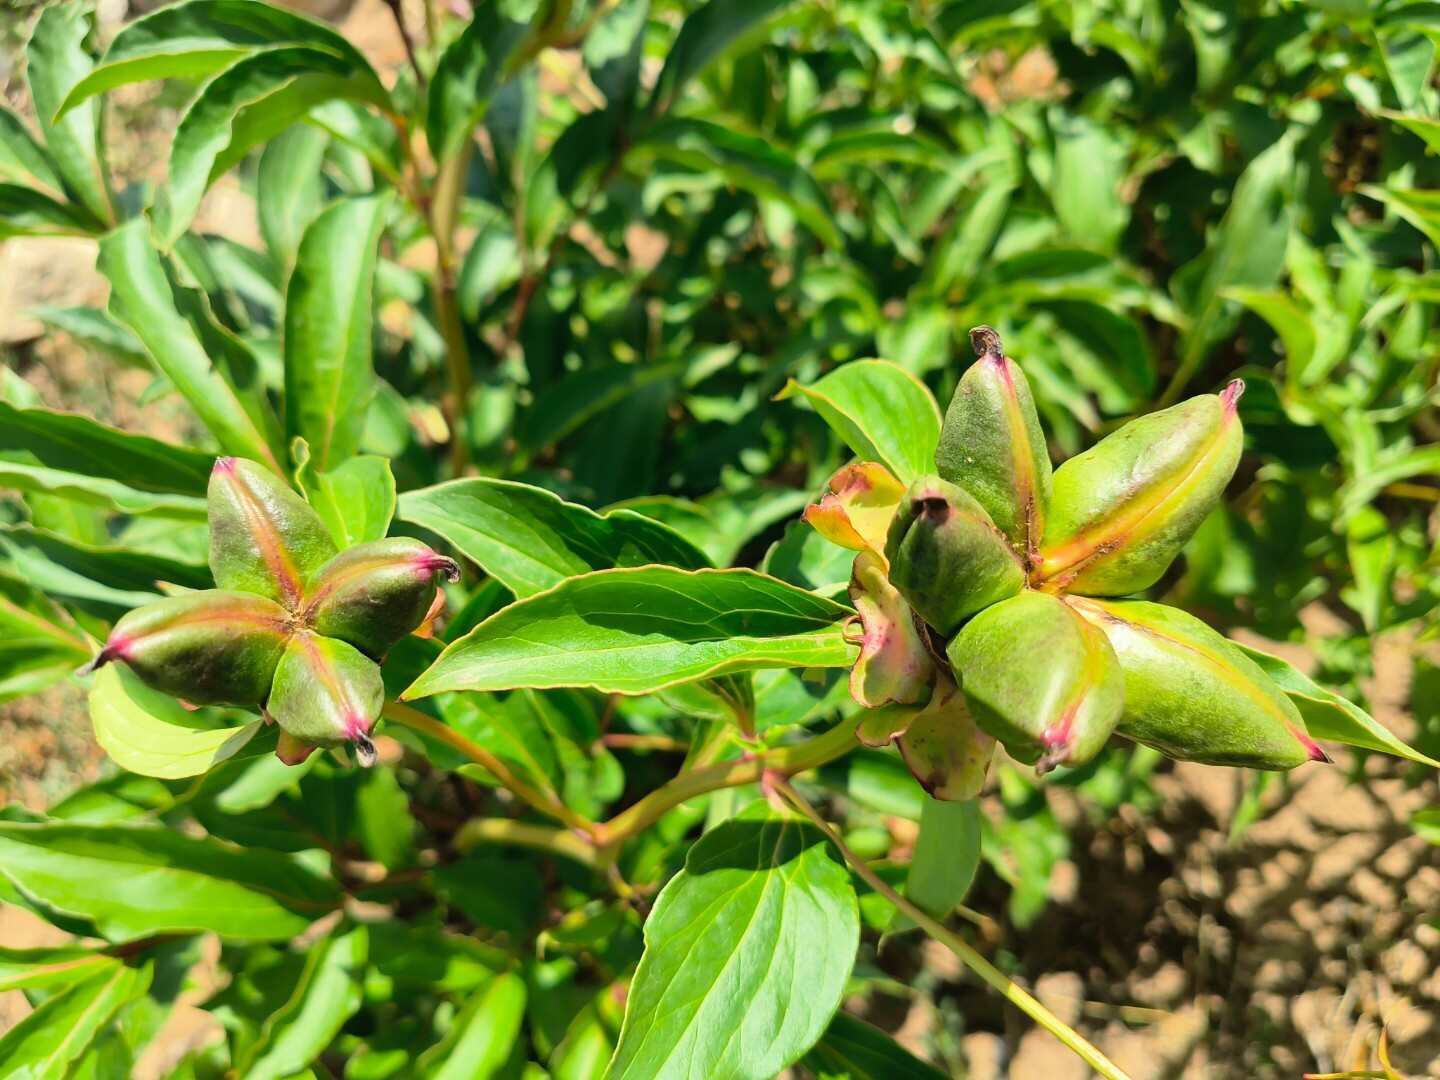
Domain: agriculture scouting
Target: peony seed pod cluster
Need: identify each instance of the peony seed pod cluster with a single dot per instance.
(990, 596)
(296, 627)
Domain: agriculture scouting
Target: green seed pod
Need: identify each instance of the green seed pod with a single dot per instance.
(372, 595)
(944, 748)
(1123, 509)
(1193, 695)
(264, 539)
(1041, 679)
(210, 648)
(992, 446)
(326, 692)
(946, 556)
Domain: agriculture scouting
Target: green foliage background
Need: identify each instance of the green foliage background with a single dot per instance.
(667, 212)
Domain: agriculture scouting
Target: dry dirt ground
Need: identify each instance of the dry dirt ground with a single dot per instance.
(1182, 954)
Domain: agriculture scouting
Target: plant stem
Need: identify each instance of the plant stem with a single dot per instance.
(623, 741)
(407, 41)
(544, 802)
(444, 209)
(782, 761)
(987, 971)
(478, 831)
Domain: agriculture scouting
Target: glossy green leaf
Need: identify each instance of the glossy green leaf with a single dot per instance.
(471, 69)
(355, 500)
(150, 733)
(329, 312)
(327, 994)
(46, 1044)
(22, 159)
(480, 1039)
(39, 644)
(27, 212)
(95, 328)
(851, 1049)
(51, 967)
(144, 298)
(57, 60)
(643, 629)
(247, 104)
(531, 539)
(160, 881)
(290, 188)
(1330, 716)
(198, 38)
(880, 411)
(98, 491)
(745, 161)
(109, 574)
(947, 855)
(708, 33)
(747, 953)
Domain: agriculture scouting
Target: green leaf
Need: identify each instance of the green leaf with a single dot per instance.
(747, 952)
(290, 188)
(708, 33)
(22, 159)
(47, 1043)
(27, 212)
(145, 298)
(135, 881)
(880, 411)
(947, 855)
(98, 491)
(746, 161)
(150, 733)
(1425, 127)
(25, 968)
(1420, 208)
(584, 395)
(356, 501)
(472, 68)
(1089, 169)
(78, 444)
(57, 60)
(531, 540)
(851, 1049)
(329, 375)
(250, 103)
(642, 629)
(39, 644)
(1290, 322)
(197, 39)
(480, 1039)
(110, 575)
(1426, 823)
(1247, 250)
(1328, 715)
(95, 328)
(327, 994)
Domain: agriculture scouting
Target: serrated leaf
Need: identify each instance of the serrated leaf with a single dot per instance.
(135, 881)
(642, 629)
(747, 953)
(531, 539)
(881, 412)
(150, 733)
(1328, 715)
(329, 311)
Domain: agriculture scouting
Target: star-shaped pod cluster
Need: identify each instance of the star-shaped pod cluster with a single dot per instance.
(296, 627)
(989, 593)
